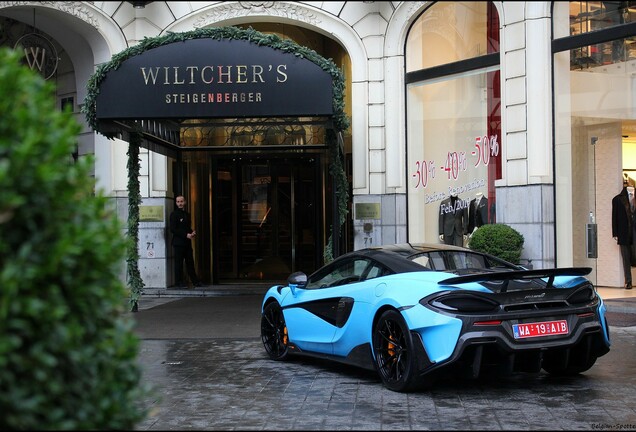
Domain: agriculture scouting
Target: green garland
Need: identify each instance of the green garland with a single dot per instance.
(340, 122)
(133, 276)
(336, 169)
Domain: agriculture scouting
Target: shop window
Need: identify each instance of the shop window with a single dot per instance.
(594, 62)
(453, 121)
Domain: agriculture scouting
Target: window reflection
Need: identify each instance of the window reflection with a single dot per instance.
(452, 31)
(593, 16)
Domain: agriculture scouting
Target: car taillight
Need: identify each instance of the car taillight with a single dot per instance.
(583, 295)
(464, 302)
(487, 323)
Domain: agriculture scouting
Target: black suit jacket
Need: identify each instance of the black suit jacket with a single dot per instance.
(622, 219)
(180, 227)
(477, 213)
(453, 217)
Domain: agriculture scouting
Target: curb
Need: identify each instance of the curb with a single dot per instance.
(620, 309)
(206, 291)
(626, 305)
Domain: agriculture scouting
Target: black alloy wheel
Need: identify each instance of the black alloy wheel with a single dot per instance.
(394, 354)
(274, 332)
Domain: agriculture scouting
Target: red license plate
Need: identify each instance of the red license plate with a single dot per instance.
(546, 328)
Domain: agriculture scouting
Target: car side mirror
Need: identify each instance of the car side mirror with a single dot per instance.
(296, 280)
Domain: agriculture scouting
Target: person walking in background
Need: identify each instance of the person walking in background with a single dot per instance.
(182, 235)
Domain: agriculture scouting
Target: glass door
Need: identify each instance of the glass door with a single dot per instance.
(264, 223)
(268, 218)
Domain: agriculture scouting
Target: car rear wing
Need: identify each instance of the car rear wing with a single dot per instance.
(507, 276)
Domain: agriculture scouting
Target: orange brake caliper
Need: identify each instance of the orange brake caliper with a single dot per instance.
(391, 347)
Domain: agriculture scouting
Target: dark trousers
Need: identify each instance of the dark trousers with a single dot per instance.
(455, 239)
(181, 254)
(626, 255)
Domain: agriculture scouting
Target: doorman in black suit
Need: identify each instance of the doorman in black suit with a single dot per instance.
(182, 235)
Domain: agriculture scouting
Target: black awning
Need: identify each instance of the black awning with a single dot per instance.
(209, 74)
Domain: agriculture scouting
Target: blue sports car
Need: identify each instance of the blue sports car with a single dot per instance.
(415, 311)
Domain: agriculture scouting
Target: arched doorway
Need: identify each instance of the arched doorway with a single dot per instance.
(256, 134)
(262, 216)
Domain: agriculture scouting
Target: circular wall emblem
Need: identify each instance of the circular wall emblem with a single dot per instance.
(39, 54)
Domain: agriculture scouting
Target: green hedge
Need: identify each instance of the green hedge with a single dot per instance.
(67, 350)
(499, 240)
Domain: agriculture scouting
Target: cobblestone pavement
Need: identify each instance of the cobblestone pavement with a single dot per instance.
(230, 384)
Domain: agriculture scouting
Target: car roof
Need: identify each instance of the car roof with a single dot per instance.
(410, 249)
(416, 248)
(396, 256)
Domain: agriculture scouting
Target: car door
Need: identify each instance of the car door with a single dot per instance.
(357, 310)
(315, 312)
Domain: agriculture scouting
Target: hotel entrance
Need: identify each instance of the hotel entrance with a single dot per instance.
(253, 128)
(267, 216)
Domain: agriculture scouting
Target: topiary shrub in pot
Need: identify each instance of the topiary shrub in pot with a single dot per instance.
(68, 355)
(499, 240)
